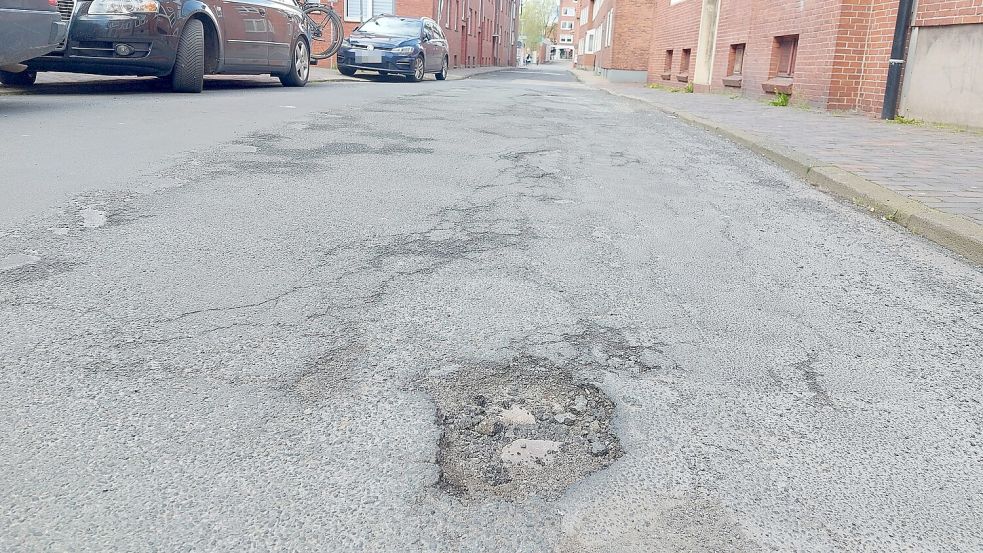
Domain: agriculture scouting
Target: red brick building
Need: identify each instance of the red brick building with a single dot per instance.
(828, 53)
(613, 38)
(566, 24)
(479, 32)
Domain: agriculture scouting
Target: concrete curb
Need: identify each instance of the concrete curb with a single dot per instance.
(953, 232)
(322, 76)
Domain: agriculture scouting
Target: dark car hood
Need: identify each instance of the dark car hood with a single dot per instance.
(379, 41)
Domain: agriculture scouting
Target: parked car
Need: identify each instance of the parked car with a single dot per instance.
(183, 40)
(388, 44)
(29, 28)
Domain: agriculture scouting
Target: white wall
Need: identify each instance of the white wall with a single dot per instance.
(943, 80)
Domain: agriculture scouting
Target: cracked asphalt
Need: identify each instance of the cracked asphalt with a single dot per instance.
(228, 332)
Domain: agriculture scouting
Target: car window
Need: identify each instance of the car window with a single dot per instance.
(392, 26)
(434, 30)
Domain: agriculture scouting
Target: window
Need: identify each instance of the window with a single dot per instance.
(736, 65)
(610, 24)
(785, 50)
(434, 30)
(566, 25)
(583, 16)
(566, 39)
(362, 10)
(684, 62)
(569, 12)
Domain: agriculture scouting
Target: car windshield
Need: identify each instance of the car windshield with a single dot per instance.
(392, 26)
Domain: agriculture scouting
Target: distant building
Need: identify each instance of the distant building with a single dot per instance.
(566, 24)
(479, 32)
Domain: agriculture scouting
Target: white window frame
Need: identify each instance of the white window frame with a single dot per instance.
(610, 28)
(569, 12)
(369, 12)
(566, 25)
(583, 16)
(566, 39)
(591, 46)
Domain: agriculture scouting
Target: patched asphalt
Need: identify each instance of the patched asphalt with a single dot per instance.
(261, 335)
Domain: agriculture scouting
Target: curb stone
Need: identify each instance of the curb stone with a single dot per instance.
(953, 232)
(319, 76)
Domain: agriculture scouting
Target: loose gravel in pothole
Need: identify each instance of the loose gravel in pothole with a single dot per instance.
(520, 431)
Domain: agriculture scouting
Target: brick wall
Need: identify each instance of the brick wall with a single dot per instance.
(842, 53)
(631, 28)
(604, 56)
(863, 47)
(674, 27)
(631, 40)
(948, 12)
(843, 48)
(582, 60)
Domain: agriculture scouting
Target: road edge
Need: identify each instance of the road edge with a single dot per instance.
(955, 233)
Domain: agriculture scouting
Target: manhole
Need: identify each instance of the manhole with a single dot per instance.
(520, 431)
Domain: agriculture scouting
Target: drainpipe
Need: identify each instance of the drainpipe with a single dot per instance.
(896, 64)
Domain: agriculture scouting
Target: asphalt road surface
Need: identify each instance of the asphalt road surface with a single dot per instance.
(509, 313)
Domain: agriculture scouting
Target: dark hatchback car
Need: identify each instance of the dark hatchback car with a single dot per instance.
(28, 28)
(182, 40)
(395, 45)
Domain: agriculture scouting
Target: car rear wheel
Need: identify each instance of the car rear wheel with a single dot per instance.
(189, 64)
(24, 78)
(346, 71)
(418, 70)
(443, 71)
(300, 65)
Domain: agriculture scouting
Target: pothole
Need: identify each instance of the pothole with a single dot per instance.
(520, 431)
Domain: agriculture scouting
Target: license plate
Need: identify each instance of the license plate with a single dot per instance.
(368, 57)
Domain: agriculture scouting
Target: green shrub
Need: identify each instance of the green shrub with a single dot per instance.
(781, 100)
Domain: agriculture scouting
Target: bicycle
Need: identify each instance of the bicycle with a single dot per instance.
(323, 28)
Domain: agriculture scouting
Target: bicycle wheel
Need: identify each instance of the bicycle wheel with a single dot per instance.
(325, 31)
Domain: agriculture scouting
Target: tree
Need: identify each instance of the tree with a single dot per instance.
(538, 21)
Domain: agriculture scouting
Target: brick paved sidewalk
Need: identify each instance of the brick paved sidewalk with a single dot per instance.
(940, 168)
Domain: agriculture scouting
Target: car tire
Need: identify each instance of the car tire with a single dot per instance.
(443, 71)
(419, 70)
(346, 71)
(300, 65)
(188, 74)
(24, 78)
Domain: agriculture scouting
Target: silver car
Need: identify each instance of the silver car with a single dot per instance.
(30, 28)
